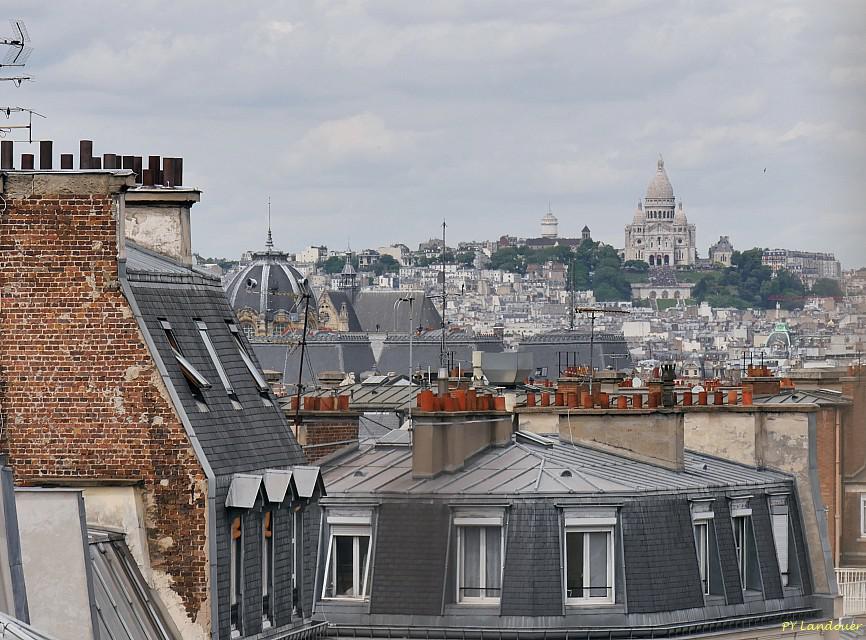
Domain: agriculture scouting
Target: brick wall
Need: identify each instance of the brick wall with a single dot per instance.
(82, 401)
(826, 454)
(320, 440)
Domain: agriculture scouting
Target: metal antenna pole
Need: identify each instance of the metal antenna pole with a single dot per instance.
(591, 345)
(411, 369)
(301, 363)
(443, 359)
(571, 314)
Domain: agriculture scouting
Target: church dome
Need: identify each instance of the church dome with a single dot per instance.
(271, 291)
(660, 188)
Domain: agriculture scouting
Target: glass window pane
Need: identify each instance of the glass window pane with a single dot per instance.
(494, 561)
(574, 564)
(598, 543)
(470, 586)
(343, 563)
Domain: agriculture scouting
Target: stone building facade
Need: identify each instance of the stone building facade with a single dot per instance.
(660, 233)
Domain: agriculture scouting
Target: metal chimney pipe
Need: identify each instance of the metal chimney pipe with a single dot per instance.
(85, 154)
(46, 155)
(65, 160)
(136, 168)
(109, 161)
(27, 161)
(146, 178)
(127, 162)
(7, 159)
(153, 165)
(96, 163)
(178, 172)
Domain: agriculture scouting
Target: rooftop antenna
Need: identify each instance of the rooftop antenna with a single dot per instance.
(592, 311)
(17, 56)
(443, 347)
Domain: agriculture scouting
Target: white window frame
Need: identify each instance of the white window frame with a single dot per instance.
(481, 520)
(702, 542)
(355, 526)
(863, 515)
(780, 519)
(702, 516)
(578, 522)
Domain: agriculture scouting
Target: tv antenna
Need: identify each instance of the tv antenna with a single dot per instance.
(18, 53)
(592, 312)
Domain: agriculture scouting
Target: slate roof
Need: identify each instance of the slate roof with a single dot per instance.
(233, 440)
(346, 352)
(525, 468)
(562, 349)
(426, 347)
(127, 608)
(338, 299)
(376, 311)
(822, 397)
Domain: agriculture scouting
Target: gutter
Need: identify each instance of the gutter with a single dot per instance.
(126, 289)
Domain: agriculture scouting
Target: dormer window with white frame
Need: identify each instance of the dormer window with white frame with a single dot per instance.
(709, 564)
(744, 544)
(589, 556)
(347, 565)
(480, 555)
(783, 538)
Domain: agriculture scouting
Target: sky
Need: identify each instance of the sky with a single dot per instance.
(367, 123)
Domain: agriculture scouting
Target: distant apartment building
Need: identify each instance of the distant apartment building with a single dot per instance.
(808, 265)
(312, 255)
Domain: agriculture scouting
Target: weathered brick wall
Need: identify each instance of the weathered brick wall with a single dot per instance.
(320, 440)
(81, 398)
(826, 455)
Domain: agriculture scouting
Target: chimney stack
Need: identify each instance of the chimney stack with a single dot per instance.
(7, 160)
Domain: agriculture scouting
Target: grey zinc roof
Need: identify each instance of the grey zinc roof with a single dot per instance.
(338, 299)
(346, 352)
(529, 469)
(377, 313)
(562, 349)
(809, 396)
(126, 607)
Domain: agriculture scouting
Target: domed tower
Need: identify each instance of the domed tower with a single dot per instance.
(348, 278)
(549, 225)
(269, 295)
(660, 233)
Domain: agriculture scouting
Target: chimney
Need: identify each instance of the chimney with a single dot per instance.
(655, 436)
(442, 440)
(157, 218)
(668, 377)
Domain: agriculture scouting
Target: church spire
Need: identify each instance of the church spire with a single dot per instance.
(269, 243)
(661, 163)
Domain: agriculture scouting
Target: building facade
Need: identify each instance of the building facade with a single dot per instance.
(660, 233)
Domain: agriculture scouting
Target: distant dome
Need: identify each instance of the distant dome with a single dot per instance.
(270, 289)
(660, 188)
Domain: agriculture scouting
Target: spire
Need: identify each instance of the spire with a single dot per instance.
(269, 243)
(661, 163)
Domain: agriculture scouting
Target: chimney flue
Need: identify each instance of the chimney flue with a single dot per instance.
(46, 155)
(27, 161)
(168, 172)
(109, 161)
(153, 165)
(65, 160)
(85, 154)
(7, 159)
(136, 169)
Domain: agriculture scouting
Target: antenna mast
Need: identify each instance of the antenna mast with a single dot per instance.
(443, 346)
(17, 56)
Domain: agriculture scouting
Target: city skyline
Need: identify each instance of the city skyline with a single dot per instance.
(369, 122)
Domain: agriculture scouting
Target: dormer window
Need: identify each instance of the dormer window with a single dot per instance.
(259, 379)
(745, 545)
(589, 557)
(709, 564)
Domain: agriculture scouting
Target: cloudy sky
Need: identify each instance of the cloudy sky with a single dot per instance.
(368, 122)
